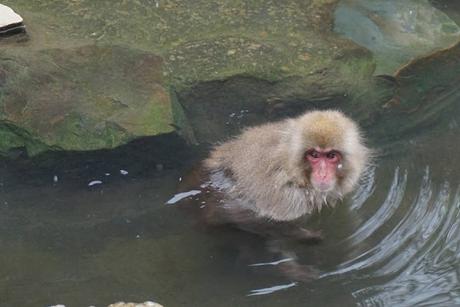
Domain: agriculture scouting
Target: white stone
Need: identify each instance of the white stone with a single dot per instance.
(8, 16)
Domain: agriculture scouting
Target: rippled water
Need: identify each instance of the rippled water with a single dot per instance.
(395, 242)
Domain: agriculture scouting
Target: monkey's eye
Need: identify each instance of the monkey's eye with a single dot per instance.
(333, 155)
(313, 154)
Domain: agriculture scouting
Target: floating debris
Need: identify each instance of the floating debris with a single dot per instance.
(107, 174)
(182, 195)
(269, 290)
(124, 172)
(272, 263)
(94, 182)
(55, 179)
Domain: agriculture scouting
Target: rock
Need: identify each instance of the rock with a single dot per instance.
(420, 99)
(289, 46)
(450, 7)
(144, 304)
(395, 31)
(83, 98)
(10, 22)
(256, 60)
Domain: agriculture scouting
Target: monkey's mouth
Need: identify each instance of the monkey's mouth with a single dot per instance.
(323, 186)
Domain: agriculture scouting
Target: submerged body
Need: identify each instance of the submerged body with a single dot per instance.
(284, 170)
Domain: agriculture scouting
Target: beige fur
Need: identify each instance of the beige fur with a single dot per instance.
(267, 170)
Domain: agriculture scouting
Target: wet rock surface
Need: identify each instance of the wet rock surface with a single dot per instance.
(83, 98)
(290, 44)
(205, 69)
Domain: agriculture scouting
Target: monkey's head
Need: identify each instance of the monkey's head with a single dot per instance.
(328, 152)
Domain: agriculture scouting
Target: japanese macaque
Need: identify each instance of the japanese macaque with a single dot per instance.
(266, 179)
(281, 171)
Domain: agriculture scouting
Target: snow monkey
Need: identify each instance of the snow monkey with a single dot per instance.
(270, 176)
(279, 172)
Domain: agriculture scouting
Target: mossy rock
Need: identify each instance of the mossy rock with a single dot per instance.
(287, 50)
(83, 98)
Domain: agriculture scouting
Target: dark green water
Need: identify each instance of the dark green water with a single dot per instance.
(395, 242)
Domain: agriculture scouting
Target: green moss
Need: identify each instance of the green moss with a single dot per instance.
(13, 137)
(136, 54)
(199, 40)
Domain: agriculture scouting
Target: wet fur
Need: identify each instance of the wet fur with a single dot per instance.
(264, 171)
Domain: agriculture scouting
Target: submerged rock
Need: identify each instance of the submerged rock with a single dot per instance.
(10, 22)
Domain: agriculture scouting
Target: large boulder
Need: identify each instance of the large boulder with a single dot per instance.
(83, 98)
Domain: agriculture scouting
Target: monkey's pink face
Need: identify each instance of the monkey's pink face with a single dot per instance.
(324, 164)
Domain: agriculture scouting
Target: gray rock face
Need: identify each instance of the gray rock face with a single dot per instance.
(10, 21)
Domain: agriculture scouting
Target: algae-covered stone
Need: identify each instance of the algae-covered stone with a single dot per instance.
(288, 50)
(82, 98)
(289, 44)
